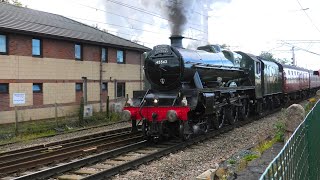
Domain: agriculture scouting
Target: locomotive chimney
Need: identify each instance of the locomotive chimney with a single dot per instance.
(176, 41)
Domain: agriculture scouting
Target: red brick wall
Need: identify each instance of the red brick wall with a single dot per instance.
(58, 49)
(91, 53)
(104, 96)
(20, 45)
(37, 99)
(112, 55)
(79, 95)
(4, 101)
(132, 57)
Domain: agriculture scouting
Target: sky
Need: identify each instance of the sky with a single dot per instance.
(250, 26)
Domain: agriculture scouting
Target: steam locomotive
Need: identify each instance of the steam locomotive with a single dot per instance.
(194, 91)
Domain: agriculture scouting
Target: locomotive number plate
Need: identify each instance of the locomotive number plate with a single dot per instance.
(162, 62)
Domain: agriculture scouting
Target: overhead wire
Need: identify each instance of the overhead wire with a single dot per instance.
(308, 17)
(303, 49)
(140, 10)
(117, 25)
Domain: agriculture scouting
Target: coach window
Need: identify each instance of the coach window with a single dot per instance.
(121, 89)
(36, 47)
(3, 44)
(78, 52)
(4, 88)
(104, 55)
(37, 88)
(120, 56)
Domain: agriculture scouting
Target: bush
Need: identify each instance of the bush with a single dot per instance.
(279, 135)
(310, 104)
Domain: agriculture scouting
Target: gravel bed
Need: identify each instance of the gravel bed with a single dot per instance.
(65, 136)
(193, 161)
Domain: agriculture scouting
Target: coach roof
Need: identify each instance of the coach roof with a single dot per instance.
(38, 23)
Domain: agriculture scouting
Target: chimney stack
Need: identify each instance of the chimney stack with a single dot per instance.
(176, 41)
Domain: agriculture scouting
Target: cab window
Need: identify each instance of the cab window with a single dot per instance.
(258, 68)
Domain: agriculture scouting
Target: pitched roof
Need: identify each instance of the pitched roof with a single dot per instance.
(29, 21)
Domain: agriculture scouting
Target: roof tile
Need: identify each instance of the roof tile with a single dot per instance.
(43, 23)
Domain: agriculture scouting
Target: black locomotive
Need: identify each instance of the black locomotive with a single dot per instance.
(193, 91)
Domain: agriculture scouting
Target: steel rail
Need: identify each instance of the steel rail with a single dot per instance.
(20, 151)
(50, 151)
(82, 162)
(68, 153)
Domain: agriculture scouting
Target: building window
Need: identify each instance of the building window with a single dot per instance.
(37, 88)
(104, 86)
(3, 44)
(120, 56)
(121, 89)
(77, 52)
(4, 88)
(79, 87)
(36, 47)
(104, 54)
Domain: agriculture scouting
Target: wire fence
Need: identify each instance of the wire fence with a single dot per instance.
(43, 119)
(299, 159)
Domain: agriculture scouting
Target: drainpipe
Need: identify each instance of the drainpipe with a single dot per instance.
(100, 80)
(115, 89)
(141, 58)
(85, 91)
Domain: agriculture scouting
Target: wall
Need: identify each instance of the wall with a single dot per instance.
(59, 71)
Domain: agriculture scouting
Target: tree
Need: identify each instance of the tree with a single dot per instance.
(269, 56)
(283, 61)
(224, 46)
(14, 2)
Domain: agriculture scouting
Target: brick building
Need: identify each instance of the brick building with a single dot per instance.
(45, 57)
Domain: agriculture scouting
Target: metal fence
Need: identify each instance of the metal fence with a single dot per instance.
(300, 157)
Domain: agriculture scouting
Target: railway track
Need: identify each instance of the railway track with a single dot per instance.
(116, 160)
(76, 130)
(24, 159)
(112, 162)
(28, 150)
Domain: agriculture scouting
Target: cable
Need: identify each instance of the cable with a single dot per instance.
(272, 49)
(308, 16)
(311, 52)
(140, 10)
(117, 25)
(113, 13)
(303, 41)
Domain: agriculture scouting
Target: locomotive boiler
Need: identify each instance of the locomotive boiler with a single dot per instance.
(173, 67)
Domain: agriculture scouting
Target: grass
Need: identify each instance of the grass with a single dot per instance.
(279, 134)
(310, 104)
(250, 157)
(29, 130)
(232, 161)
(263, 146)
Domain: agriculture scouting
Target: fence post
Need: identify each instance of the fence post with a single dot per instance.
(107, 108)
(56, 113)
(81, 111)
(16, 122)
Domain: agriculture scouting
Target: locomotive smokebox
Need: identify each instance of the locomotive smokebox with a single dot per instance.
(176, 41)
